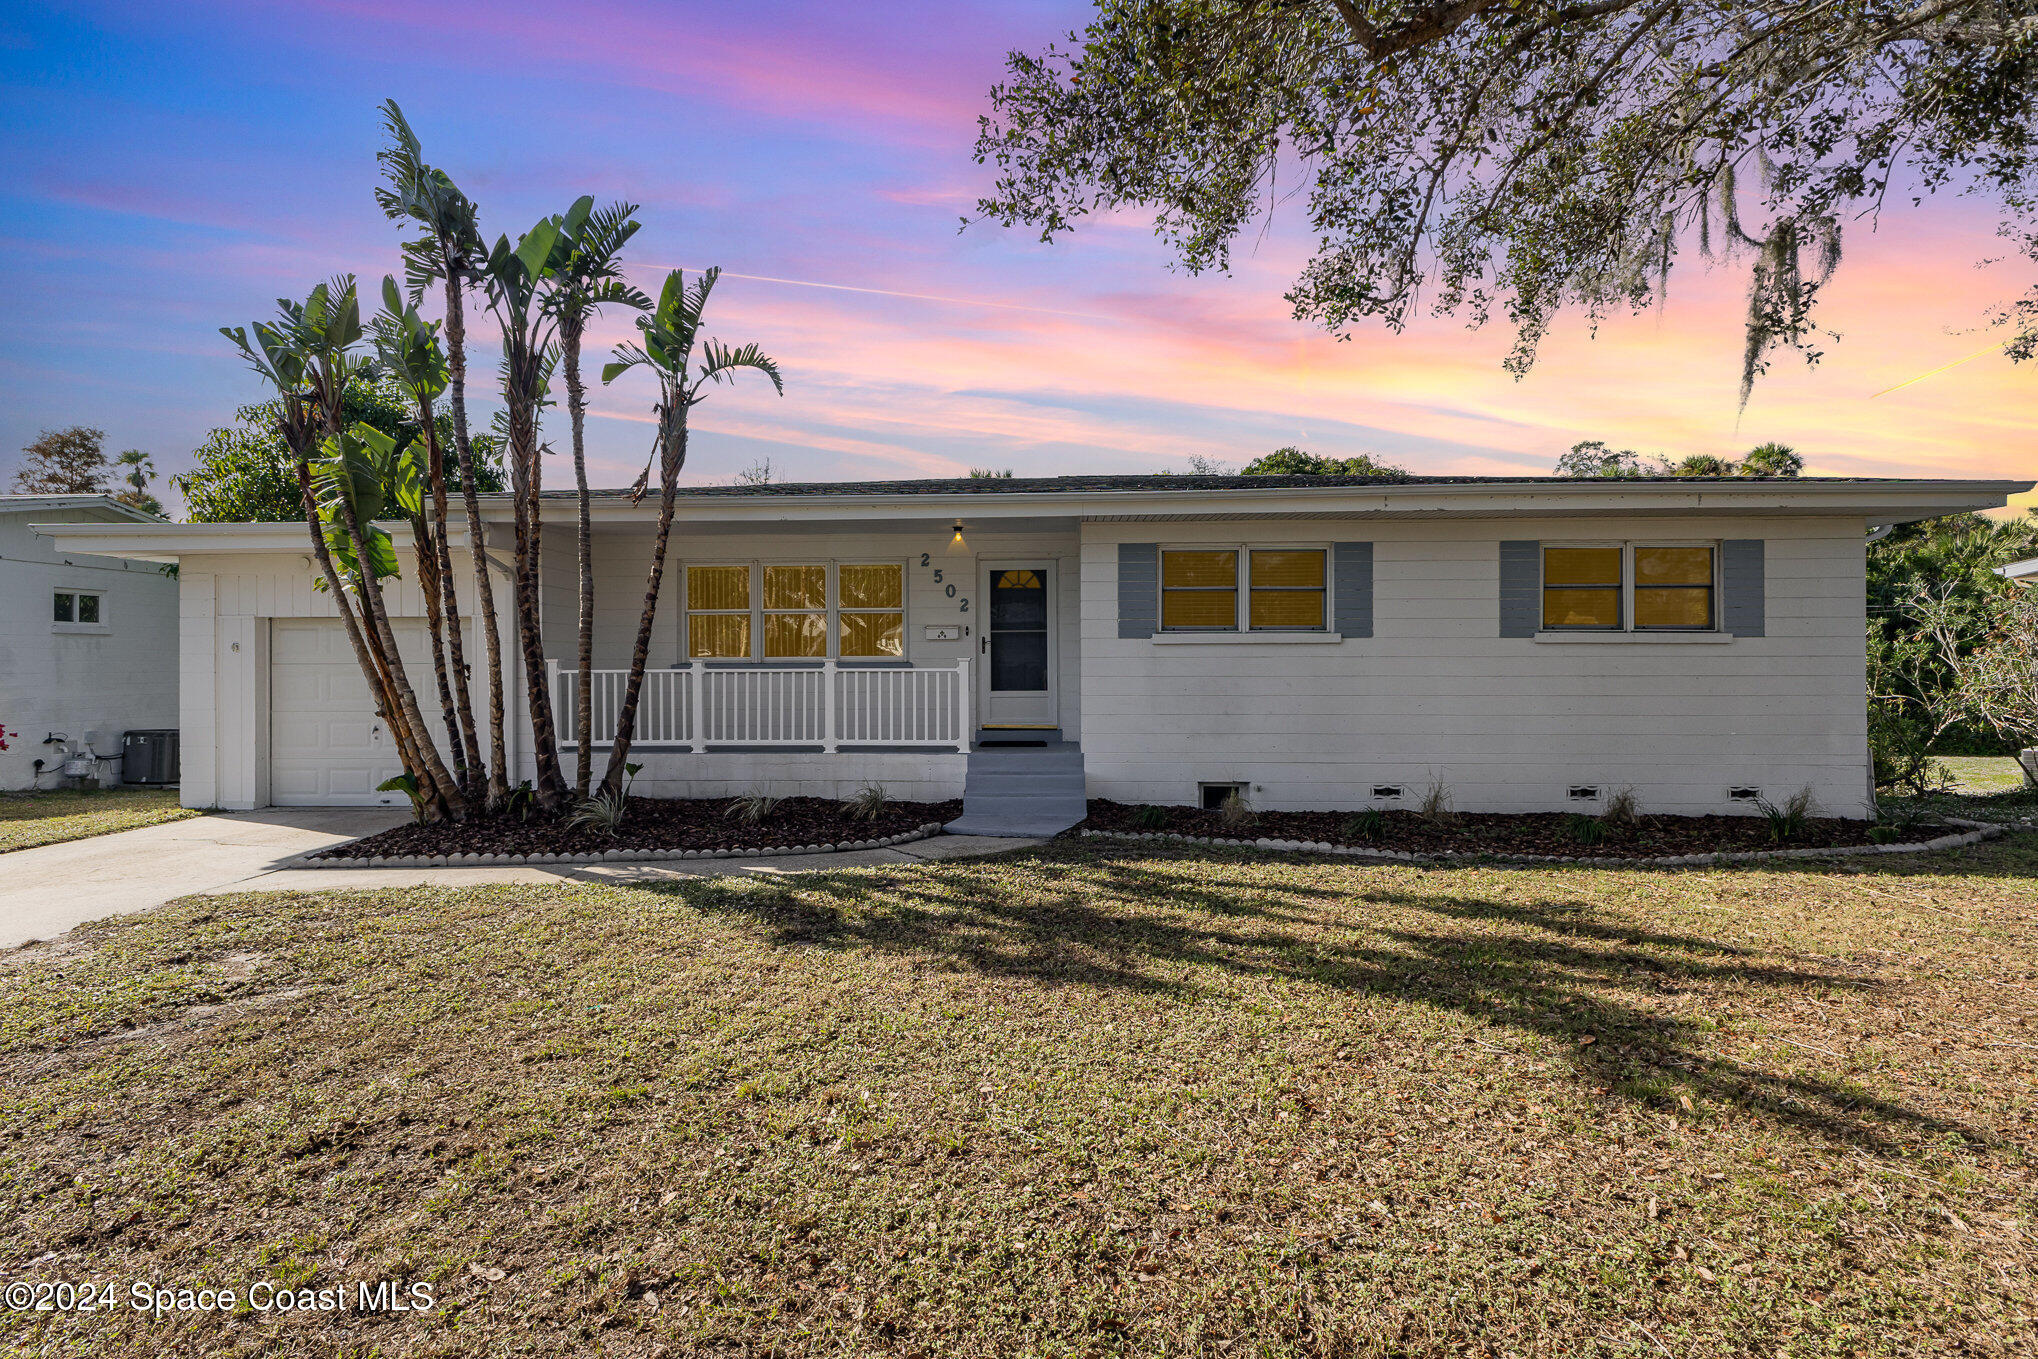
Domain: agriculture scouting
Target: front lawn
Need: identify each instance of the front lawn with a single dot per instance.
(31, 819)
(1079, 1101)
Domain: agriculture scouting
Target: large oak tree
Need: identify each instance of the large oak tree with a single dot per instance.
(1519, 157)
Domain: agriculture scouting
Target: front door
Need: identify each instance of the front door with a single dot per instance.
(1017, 653)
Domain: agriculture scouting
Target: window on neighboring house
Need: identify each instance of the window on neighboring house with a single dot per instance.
(871, 611)
(1284, 589)
(76, 606)
(718, 612)
(1637, 587)
(797, 611)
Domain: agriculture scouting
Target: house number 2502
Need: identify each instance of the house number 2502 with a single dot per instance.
(962, 604)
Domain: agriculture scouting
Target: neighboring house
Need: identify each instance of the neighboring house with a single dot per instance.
(87, 643)
(1320, 642)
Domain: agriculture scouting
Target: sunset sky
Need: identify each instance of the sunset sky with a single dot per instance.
(174, 168)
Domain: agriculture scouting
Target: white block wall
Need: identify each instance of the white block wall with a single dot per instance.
(1507, 724)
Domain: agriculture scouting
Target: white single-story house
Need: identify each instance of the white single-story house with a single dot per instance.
(88, 644)
(1314, 642)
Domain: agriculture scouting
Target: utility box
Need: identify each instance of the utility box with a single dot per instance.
(149, 756)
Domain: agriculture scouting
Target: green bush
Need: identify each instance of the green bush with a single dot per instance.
(1900, 745)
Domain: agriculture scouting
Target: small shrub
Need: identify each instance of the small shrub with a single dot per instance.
(1235, 813)
(601, 814)
(1787, 822)
(1586, 830)
(1436, 805)
(521, 800)
(751, 808)
(868, 804)
(1150, 817)
(1900, 746)
(1365, 825)
(1895, 821)
(1623, 811)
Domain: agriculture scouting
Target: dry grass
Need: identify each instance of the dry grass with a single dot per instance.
(31, 819)
(1060, 1103)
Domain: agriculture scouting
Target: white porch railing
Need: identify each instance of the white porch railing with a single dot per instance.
(828, 705)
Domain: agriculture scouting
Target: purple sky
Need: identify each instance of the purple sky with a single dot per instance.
(174, 168)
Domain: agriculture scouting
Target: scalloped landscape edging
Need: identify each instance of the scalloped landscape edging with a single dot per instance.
(607, 856)
(1976, 832)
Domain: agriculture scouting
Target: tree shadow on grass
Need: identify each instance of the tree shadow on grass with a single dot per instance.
(1148, 923)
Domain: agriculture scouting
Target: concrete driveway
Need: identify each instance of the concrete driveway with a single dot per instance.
(47, 890)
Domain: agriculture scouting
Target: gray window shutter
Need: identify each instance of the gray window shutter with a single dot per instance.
(1742, 580)
(1521, 585)
(1138, 589)
(1351, 577)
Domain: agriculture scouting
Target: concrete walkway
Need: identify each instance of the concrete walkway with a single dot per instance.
(50, 889)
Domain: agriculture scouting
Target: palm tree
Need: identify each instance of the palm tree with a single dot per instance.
(666, 345)
(589, 277)
(306, 358)
(1701, 465)
(1772, 460)
(407, 349)
(448, 251)
(141, 470)
(515, 277)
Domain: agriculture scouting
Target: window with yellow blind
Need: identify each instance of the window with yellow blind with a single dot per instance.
(1199, 590)
(1284, 589)
(1287, 589)
(792, 611)
(1582, 586)
(718, 612)
(1674, 588)
(1630, 587)
(795, 612)
(870, 610)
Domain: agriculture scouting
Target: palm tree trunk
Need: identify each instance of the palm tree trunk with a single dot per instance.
(426, 551)
(550, 784)
(671, 457)
(469, 740)
(583, 698)
(477, 538)
(445, 793)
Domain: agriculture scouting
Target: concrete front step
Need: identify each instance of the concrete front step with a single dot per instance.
(1022, 791)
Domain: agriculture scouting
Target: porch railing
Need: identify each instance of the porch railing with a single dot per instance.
(828, 705)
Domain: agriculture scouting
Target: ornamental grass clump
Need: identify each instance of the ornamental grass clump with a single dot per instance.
(1365, 825)
(751, 808)
(602, 814)
(1787, 822)
(1623, 811)
(868, 803)
(1436, 806)
(1150, 818)
(1235, 813)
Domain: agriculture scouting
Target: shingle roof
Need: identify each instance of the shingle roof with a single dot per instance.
(1166, 482)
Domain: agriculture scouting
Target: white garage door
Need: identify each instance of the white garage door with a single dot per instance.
(327, 748)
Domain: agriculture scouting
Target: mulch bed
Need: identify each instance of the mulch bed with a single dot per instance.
(653, 824)
(1493, 833)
